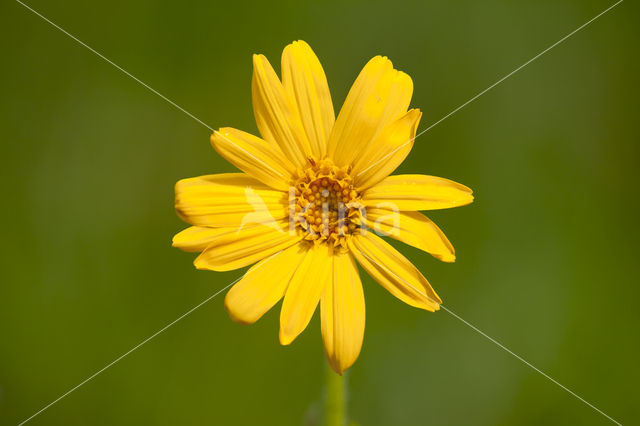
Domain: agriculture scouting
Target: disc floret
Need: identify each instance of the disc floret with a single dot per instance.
(326, 206)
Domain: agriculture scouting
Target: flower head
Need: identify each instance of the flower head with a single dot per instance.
(313, 189)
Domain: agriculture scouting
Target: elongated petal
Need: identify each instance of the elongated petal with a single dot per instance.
(196, 238)
(393, 271)
(254, 156)
(276, 113)
(238, 248)
(418, 192)
(304, 291)
(379, 95)
(412, 228)
(342, 314)
(262, 286)
(227, 200)
(304, 80)
(388, 151)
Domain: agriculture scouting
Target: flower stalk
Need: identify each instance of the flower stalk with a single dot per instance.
(335, 412)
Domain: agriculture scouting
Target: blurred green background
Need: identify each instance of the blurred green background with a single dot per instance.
(547, 255)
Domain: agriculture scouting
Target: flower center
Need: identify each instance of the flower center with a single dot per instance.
(327, 206)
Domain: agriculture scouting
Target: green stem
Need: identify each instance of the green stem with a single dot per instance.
(335, 403)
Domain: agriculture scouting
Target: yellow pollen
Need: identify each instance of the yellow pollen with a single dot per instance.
(326, 203)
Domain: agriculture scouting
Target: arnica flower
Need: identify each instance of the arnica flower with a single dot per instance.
(312, 190)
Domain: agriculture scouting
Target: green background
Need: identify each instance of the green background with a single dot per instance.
(547, 255)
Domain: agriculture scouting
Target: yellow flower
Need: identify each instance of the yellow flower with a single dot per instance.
(313, 187)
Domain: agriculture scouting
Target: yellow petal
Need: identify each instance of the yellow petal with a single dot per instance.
(228, 200)
(304, 80)
(276, 113)
(342, 314)
(304, 291)
(387, 152)
(196, 238)
(262, 286)
(412, 228)
(254, 156)
(238, 248)
(379, 95)
(417, 192)
(393, 271)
